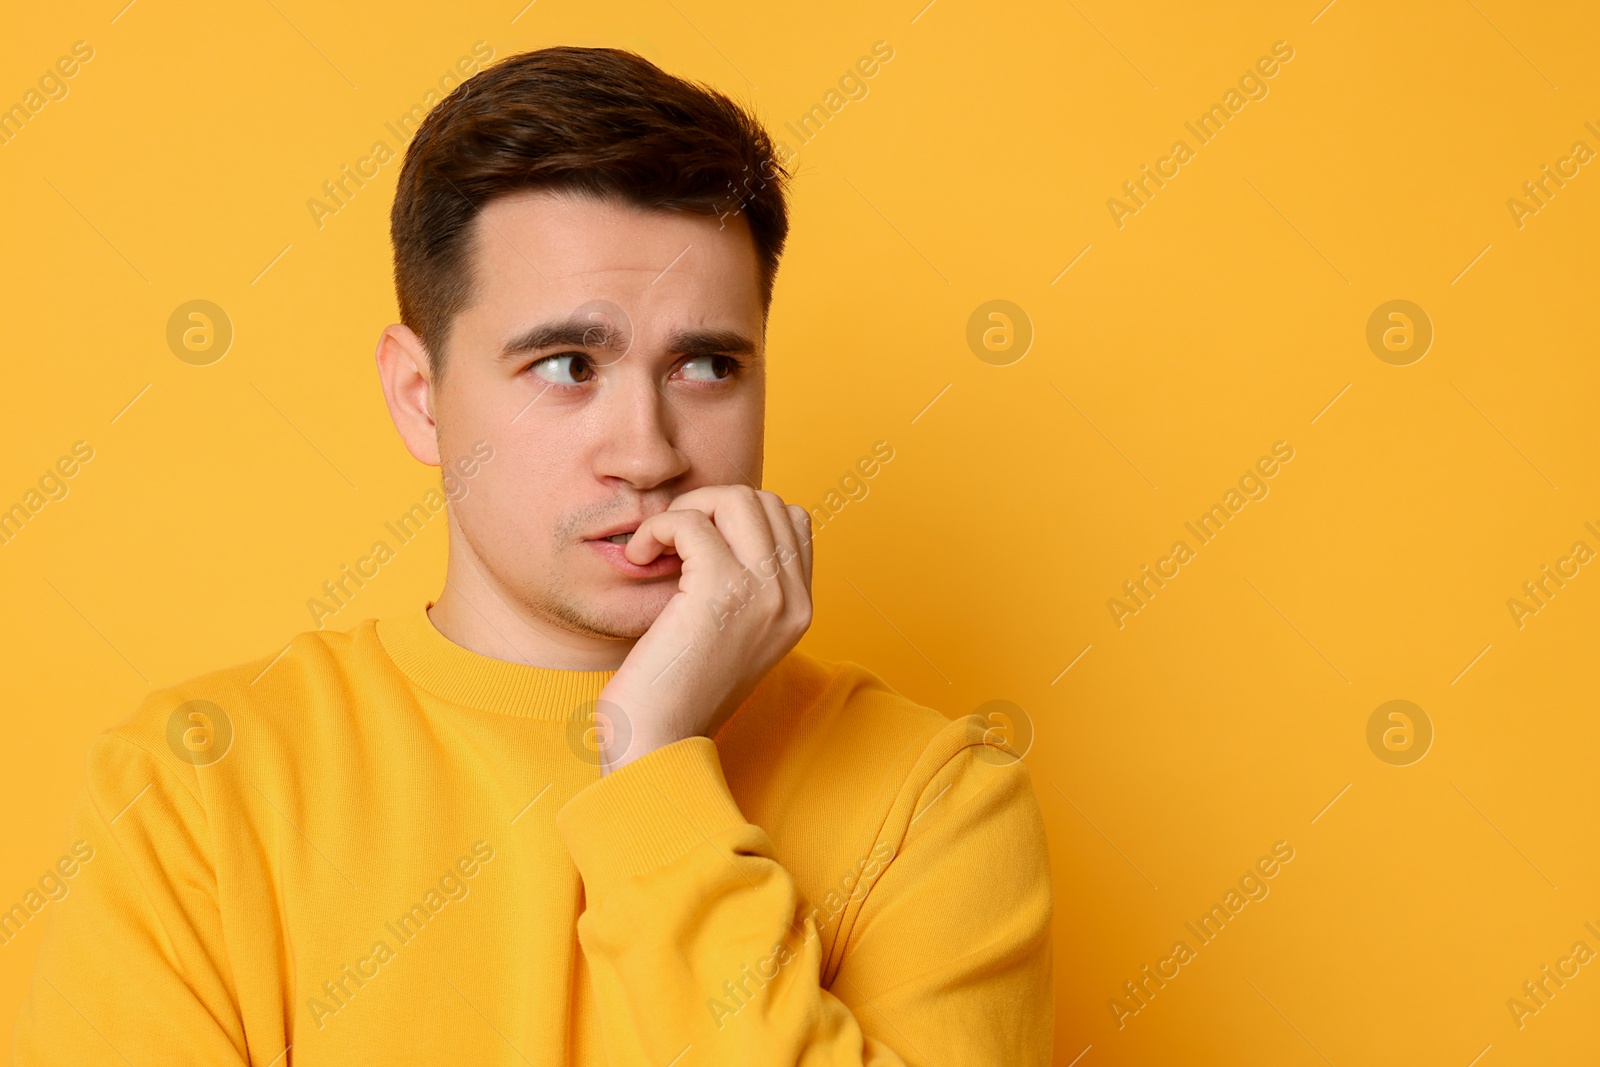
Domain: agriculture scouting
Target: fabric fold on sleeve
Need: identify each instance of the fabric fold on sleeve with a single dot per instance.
(647, 814)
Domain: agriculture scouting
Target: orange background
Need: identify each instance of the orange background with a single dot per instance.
(1229, 313)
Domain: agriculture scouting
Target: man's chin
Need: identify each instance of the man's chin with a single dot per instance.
(620, 613)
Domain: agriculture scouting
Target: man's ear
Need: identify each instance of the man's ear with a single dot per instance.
(408, 389)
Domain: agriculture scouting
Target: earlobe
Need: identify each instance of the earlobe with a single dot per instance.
(403, 370)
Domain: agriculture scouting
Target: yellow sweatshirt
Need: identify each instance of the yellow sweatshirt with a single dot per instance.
(383, 848)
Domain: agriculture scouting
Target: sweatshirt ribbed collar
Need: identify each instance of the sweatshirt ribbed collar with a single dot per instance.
(435, 663)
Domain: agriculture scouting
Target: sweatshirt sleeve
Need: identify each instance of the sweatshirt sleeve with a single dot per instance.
(131, 966)
(698, 939)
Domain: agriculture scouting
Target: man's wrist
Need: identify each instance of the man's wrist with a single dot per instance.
(638, 747)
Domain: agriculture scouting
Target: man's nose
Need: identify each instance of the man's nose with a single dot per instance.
(640, 431)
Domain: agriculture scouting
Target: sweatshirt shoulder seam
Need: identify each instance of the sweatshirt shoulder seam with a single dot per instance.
(156, 760)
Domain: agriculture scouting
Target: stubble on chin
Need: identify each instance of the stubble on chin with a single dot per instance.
(590, 617)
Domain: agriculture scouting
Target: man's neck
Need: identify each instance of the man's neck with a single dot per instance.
(474, 613)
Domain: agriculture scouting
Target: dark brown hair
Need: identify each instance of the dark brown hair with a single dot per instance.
(601, 121)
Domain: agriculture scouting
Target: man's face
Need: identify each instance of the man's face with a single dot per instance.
(649, 381)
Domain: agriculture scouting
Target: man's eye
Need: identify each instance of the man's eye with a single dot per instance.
(710, 368)
(568, 368)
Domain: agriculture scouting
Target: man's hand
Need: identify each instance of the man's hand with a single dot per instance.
(743, 601)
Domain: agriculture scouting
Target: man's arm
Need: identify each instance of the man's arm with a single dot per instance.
(131, 967)
(696, 938)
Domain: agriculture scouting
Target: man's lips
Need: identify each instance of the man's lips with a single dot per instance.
(622, 526)
(612, 552)
(611, 541)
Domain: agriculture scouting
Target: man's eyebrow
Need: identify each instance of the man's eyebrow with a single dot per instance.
(712, 343)
(587, 333)
(577, 333)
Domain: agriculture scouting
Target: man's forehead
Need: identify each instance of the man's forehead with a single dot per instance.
(584, 234)
(542, 256)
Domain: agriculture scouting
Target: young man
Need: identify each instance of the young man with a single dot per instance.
(590, 806)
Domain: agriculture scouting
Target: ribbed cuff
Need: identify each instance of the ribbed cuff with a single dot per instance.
(646, 814)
